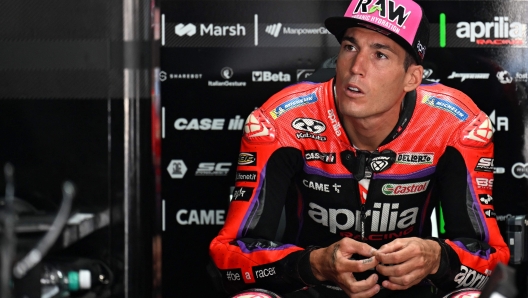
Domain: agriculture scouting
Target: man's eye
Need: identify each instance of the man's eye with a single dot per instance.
(349, 47)
(381, 55)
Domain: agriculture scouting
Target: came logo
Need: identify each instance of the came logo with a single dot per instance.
(499, 32)
(182, 29)
(520, 170)
(308, 124)
(268, 76)
(200, 217)
(391, 189)
(274, 29)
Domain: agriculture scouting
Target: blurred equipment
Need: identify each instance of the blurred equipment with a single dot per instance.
(517, 239)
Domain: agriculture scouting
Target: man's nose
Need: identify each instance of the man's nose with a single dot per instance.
(359, 64)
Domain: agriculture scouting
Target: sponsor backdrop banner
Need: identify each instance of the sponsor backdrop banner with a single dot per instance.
(221, 59)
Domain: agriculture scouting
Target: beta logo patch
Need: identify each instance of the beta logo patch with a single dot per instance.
(292, 104)
(446, 106)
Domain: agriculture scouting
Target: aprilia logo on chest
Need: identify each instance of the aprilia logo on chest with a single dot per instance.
(384, 217)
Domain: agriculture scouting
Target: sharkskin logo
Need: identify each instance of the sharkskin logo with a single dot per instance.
(182, 29)
(446, 106)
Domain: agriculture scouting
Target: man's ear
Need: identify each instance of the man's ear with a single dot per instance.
(413, 77)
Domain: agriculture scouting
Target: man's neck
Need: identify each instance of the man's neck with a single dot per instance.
(367, 134)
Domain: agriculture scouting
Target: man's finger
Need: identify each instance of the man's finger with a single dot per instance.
(357, 265)
(402, 254)
(396, 270)
(400, 283)
(352, 246)
(362, 288)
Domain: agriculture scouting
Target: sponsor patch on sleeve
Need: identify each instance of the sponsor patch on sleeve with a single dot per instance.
(292, 104)
(258, 129)
(446, 106)
(242, 193)
(478, 133)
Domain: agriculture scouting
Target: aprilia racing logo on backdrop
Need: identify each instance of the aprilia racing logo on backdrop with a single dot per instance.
(210, 29)
(498, 32)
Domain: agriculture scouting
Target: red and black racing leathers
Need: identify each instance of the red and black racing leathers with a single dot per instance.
(295, 156)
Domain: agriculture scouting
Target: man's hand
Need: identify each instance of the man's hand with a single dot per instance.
(406, 261)
(333, 263)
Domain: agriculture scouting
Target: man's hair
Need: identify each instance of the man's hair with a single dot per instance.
(409, 60)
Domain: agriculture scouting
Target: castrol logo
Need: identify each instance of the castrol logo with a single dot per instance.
(392, 189)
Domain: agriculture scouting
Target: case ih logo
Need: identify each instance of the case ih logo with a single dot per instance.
(386, 10)
(499, 32)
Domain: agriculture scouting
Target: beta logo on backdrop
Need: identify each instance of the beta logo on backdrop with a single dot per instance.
(268, 76)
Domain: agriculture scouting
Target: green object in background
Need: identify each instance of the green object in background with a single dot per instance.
(441, 223)
(442, 26)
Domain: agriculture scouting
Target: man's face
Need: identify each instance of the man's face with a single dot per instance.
(369, 74)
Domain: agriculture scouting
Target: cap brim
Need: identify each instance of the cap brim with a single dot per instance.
(338, 25)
